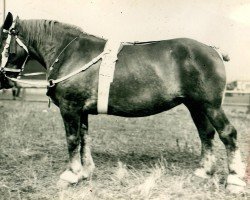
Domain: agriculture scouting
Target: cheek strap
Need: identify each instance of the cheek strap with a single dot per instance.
(5, 52)
(13, 46)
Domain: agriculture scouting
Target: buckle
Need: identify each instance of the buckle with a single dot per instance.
(51, 83)
(13, 31)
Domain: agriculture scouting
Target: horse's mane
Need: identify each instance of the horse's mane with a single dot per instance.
(50, 29)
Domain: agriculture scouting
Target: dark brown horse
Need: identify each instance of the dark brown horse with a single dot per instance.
(148, 79)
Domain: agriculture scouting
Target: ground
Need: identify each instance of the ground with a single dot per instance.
(140, 158)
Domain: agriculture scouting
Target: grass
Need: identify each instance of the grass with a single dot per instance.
(142, 158)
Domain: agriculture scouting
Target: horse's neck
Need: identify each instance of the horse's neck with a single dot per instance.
(46, 39)
(49, 50)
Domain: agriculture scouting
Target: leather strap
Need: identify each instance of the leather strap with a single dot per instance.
(106, 74)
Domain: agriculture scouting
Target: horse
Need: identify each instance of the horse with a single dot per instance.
(149, 78)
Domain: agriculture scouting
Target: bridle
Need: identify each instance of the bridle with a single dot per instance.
(12, 34)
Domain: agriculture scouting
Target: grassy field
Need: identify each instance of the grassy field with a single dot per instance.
(142, 158)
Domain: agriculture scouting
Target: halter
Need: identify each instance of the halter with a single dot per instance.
(12, 33)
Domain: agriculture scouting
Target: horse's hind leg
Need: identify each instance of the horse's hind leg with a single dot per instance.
(228, 136)
(206, 133)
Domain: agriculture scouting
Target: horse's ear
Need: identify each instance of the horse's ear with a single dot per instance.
(17, 19)
(8, 21)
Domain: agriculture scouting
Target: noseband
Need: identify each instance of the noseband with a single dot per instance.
(12, 34)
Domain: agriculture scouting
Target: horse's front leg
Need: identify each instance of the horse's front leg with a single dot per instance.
(80, 161)
(85, 148)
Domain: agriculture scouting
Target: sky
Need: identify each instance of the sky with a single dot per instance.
(221, 23)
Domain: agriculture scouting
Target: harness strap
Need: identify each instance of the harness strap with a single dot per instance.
(35, 83)
(57, 58)
(21, 44)
(12, 70)
(83, 68)
(33, 74)
(4, 58)
(106, 74)
(52, 82)
(6, 69)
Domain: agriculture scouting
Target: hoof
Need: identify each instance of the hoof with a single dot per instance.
(235, 184)
(200, 172)
(61, 184)
(69, 177)
(235, 189)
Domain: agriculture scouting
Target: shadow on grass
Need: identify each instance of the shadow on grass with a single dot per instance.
(182, 159)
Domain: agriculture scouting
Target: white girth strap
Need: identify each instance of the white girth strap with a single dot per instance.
(106, 74)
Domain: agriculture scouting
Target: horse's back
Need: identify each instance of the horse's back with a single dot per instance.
(155, 77)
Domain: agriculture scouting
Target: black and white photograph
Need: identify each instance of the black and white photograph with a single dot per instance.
(130, 100)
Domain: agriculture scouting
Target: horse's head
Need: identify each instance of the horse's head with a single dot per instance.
(14, 53)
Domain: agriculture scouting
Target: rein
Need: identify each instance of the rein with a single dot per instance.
(57, 58)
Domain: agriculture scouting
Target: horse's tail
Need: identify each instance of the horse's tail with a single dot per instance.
(224, 56)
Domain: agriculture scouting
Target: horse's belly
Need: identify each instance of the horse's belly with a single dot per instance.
(145, 82)
(142, 105)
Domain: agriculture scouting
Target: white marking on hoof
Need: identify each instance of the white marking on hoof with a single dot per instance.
(235, 189)
(62, 184)
(76, 166)
(69, 176)
(237, 165)
(235, 180)
(200, 172)
(208, 162)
